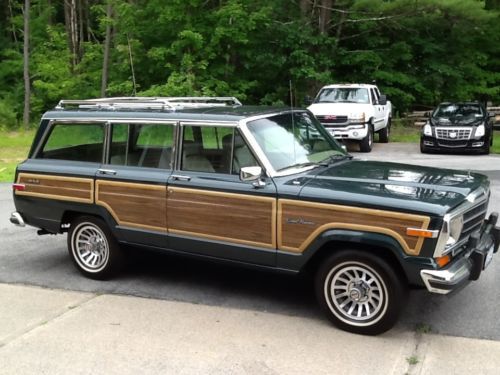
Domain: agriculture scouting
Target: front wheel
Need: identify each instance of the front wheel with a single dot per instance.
(365, 145)
(93, 248)
(360, 292)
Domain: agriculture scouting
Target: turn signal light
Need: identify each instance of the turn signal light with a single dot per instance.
(18, 187)
(415, 232)
(443, 261)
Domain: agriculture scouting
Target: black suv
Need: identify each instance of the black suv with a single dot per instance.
(256, 186)
(458, 127)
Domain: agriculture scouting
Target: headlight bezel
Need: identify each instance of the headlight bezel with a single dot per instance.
(427, 130)
(480, 131)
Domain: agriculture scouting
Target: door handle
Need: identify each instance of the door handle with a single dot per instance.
(107, 171)
(179, 177)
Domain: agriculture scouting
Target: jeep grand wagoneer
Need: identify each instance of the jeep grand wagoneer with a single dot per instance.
(257, 186)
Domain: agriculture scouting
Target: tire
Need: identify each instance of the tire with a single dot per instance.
(367, 282)
(366, 144)
(486, 149)
(423, 149)
(93, 248)
(383, 135)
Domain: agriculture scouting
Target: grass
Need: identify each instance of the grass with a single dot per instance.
(412, 361)
(14, 147)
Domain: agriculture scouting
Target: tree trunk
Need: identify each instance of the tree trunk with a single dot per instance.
(325, 14)
(26, 58)
(71, 23)
(305, 7)
(107, 48)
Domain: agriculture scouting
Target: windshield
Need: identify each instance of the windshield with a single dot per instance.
(453, 113)
(294, 140)
(343, 95)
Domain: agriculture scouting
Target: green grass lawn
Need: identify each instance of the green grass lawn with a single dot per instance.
(14, 147)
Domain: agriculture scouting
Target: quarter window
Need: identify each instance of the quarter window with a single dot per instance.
(75, 142)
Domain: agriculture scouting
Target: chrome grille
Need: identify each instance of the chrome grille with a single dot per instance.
(453, 133)
(473, 219)
(332, 119)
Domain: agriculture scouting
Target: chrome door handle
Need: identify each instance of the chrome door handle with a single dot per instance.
(179, 177)
(107, 171)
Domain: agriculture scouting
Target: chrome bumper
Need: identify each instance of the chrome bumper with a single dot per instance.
(468, 266)
(356, 132)
(17, 219)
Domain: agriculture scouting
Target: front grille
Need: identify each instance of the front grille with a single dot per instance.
(448, 143)
(473, 220)
(453, 133)
(331, 119)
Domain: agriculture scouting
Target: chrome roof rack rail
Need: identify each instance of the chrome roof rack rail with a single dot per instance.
(158, 103)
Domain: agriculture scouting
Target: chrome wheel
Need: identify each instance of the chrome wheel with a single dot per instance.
(356, 293)
(90, 247)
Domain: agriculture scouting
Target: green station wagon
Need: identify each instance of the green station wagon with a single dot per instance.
(256, 186)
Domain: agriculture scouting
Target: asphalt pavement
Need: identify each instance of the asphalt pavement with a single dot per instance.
(182, 295)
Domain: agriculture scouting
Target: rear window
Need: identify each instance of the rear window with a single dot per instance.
(75, 142)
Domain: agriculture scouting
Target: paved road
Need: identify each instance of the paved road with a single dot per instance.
(26, 258)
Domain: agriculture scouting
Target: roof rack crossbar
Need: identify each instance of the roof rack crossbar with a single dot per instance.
(163, 103)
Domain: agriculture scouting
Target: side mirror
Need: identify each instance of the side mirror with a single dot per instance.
(252, 174)
(382, 100)
(427, 114)
(308, 100)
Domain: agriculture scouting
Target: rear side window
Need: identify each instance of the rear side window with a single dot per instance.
(75, 142)
(142, 145)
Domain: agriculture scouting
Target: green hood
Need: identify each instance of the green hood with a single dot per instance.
(392, 186)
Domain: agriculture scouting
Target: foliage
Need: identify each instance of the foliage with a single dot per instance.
(420, 53)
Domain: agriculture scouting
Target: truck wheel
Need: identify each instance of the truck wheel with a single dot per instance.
(486, 149)
(383, 135)
(360, 292)
(93, 248)
(365, 145)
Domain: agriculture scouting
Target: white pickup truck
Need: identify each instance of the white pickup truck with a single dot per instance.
(354, 111)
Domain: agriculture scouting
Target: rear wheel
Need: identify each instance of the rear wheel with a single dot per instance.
(383, 135)
(360, 292)
(93, 248)
(366, 144)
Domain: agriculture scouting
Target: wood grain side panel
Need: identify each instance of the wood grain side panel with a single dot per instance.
(57, 187)
(316, 218)
(134, 205)
(238, 218)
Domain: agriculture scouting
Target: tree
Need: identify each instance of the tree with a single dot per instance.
(26, 59)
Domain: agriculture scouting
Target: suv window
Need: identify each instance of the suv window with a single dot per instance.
(142, 145)
(75, 142)
(214, 149)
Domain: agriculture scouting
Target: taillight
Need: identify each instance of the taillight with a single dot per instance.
(19, 187)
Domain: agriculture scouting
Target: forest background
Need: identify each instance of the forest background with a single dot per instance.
(419, 52)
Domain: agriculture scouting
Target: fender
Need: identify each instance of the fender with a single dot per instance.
(409, 264)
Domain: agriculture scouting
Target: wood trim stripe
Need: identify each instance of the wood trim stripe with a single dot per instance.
(100, 202)
(66, 192)
(254, 198)
(425, 220)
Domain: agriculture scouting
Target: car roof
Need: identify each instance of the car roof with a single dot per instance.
(212, 114)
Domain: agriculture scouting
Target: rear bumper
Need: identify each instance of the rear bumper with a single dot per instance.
(470, 264)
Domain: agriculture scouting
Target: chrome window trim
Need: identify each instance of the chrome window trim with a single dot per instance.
(475, 198)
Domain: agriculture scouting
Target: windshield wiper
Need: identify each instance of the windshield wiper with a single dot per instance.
(299, 165)
(336, 158)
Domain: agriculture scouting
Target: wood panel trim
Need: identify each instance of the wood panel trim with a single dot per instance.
(61, 197)
(242, 196)
(99, 202)
(425, 220)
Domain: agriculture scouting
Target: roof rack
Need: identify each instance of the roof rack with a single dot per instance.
(158, 103)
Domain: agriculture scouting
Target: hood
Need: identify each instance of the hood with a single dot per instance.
(457, 120)
(392, 186)
(339, 109)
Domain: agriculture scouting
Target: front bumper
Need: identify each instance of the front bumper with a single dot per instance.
(473, 144)
(469, 264)
(351, 131)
